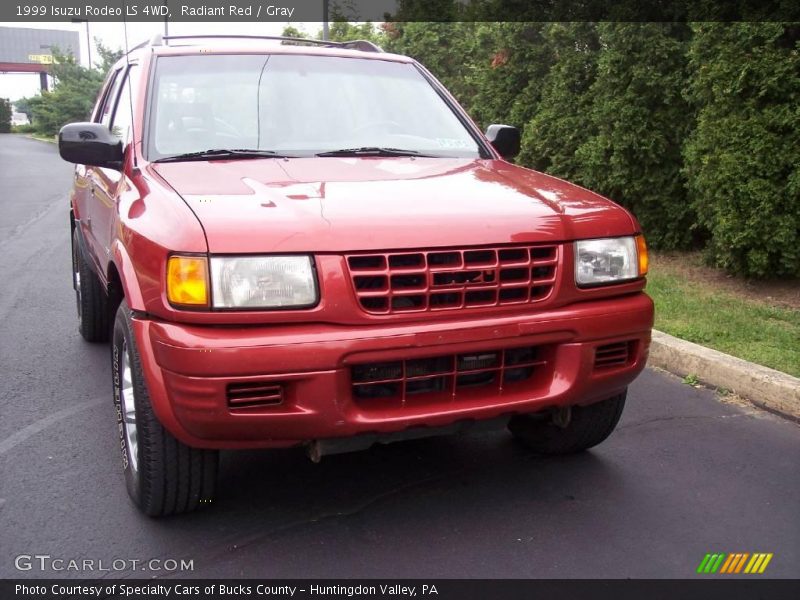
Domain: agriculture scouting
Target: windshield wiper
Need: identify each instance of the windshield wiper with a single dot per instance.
(373, 151)
(222, 153)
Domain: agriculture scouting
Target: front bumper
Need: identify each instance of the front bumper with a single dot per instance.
(189, 370)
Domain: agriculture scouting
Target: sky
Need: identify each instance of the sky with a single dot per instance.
(112, 35)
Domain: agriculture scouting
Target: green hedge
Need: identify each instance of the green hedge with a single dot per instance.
(695, 128)
(638, 120)
(743, 159)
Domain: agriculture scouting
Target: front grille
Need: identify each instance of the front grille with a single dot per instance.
(254, 394)
(434, 280)
(611, 356)
(446, 376)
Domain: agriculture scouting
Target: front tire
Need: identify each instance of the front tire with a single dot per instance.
(587, 426)
(163, 475)
(90, 296)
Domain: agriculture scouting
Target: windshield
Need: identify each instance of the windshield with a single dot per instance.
(298, 105)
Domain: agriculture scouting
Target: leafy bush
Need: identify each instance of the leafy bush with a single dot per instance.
(5, 115)
(513, 58)
(695, 128)
(639, 121)
(743, 159)
(562, 121)
(73, 95)
(29, 128)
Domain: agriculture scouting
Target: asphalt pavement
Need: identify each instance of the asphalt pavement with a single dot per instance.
(684, 474)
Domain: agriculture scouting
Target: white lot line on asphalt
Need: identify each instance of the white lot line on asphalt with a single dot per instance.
(23, 434)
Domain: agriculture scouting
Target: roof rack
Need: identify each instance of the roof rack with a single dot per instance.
(362, 45)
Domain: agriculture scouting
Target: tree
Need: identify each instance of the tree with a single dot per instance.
(5, 115)
(441, 11)
(514, 59)
(343, 31)
(562, 122)
(291, 31)
(72, 97)
(493, 69)
(449, 50)
(23, 105)
(74, 93)
(640, 121)
(109, 57)
(743, 159)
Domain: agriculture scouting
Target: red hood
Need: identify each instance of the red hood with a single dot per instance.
(346, 204)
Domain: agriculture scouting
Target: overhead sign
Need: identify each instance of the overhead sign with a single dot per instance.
(44, 59)
(36, 47)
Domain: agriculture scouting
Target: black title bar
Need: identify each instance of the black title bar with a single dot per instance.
(421, 589)
(28, 11)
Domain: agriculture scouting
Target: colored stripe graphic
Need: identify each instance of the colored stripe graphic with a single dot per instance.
(765, 563)
(754, 563)
(759, 563)
(703, 563)
(711, 562)
(737, 558)
(727, 563)
(741, 562)
(737, 562)
(717, 563)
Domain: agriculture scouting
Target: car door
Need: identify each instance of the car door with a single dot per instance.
(87, 210)
(105, 183)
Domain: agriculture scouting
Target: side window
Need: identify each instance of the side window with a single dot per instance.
(104, 114)
(123, 117)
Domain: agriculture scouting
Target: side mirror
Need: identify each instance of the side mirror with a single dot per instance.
(90, 144)
(505, 139)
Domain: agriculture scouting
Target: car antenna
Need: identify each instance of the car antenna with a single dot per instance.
(130, 88)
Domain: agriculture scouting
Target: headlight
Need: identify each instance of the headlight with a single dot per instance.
(263, 282)
(610, 260)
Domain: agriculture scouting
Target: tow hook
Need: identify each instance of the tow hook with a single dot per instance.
(562, 416)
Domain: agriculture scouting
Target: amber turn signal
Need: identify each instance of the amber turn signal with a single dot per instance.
(187, 280)
(641, 250)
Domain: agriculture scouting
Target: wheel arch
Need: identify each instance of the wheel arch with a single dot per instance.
(122, 280)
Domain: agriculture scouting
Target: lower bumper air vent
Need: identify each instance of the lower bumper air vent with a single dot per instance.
(613, 356)
(254, 394)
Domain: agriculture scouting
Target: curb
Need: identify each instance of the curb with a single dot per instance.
(764, 387)
(54, 139)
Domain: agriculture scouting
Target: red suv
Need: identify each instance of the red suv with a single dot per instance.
(293, 242)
